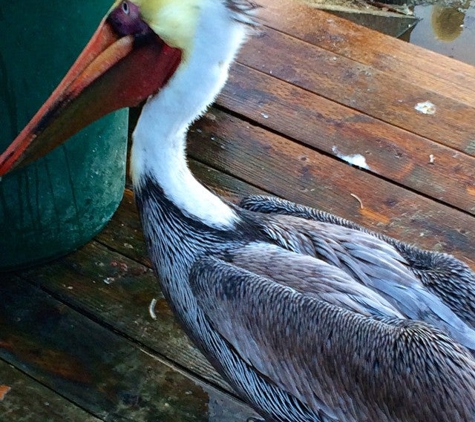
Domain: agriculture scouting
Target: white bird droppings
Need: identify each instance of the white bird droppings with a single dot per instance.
(357, 160)
(425, 108)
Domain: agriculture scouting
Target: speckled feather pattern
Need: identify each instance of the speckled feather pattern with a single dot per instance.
(176, 243)
(362, 368)
(367, 260)
(299, 348)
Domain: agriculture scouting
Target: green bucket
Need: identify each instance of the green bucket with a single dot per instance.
(60, 202)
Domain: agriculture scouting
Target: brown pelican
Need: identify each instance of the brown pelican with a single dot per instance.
(307, 316)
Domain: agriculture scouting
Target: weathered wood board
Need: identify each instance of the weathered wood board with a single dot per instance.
(91, 360)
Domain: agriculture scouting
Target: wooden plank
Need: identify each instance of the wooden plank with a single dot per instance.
(301, 174)
(336, 130)
(223, 184)
(116, 292)
(363, 88)
(22, 399)
(433, 71)
(100, 371)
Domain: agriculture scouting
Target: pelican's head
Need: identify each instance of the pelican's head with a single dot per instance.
(137, 48)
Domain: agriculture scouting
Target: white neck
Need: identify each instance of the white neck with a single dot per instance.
(160, 136)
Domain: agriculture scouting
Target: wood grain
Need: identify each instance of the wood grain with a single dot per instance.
(26, 400)
(303, 175)
(89, 364)
(406, 62)
(390, 152)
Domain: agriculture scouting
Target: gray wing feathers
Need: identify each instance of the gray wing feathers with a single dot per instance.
(447, 277)
(346, 365)
(373, 263)
(313, 277)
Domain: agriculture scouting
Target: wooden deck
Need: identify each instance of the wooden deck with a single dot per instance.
(309, 93)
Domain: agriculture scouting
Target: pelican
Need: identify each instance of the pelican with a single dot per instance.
(307, 316)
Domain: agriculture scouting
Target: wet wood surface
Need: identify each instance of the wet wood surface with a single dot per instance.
(309, 93)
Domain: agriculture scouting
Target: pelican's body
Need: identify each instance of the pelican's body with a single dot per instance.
(307, 316)
(284, 351)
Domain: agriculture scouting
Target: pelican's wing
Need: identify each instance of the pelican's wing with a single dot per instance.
(361, 368)
(371, 261)
(364, 260)
(450, 279)
(313, 277)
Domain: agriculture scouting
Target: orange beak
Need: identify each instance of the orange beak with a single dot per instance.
(123, 64)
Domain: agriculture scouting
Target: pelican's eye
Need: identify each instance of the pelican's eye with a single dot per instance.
(125, 19)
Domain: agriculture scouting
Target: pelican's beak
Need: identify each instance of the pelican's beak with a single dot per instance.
(123, 64)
